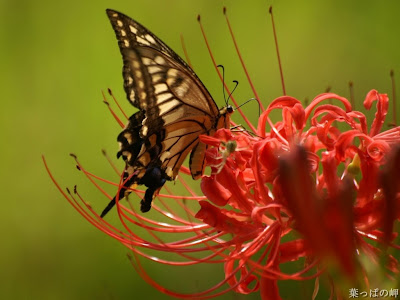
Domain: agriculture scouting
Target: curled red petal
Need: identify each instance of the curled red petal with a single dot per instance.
(283, 101)
(369, 183)
(329, 172)
(296, 114)
(230, 178)
(210, 140)
(263, 165)
(362, 119)
(324, 97)
(224, 135)
(240, 285)
(382, 106)
(299, 115)
(378, 150)
(280, 102)
(345, 141)
(246, 279)
(215, 191)
(328, 134)
(240, 160)
(267, 154)
(332, 113)
(226, 221)
(262, 120)
(208, 214)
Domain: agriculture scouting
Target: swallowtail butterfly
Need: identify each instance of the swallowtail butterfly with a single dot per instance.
(174, 109)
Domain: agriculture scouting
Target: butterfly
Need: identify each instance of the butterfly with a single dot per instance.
(175, 108)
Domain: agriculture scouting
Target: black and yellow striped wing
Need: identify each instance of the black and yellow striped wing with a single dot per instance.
(174, 108)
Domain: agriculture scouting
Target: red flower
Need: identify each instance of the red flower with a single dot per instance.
(319, 188)
(320, 182)
(338, 189)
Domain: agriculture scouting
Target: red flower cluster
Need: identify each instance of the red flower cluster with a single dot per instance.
(318, 186)
(338, 187)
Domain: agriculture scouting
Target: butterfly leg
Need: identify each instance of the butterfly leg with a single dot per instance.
(153, 179)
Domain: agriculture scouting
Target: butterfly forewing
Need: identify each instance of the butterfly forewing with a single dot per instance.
(149, 63)
(174, 107)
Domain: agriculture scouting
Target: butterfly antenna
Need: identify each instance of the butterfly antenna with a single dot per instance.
(223, 82)
(236, 84)
(251, 99)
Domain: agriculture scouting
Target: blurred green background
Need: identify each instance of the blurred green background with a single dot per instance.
(57, 57)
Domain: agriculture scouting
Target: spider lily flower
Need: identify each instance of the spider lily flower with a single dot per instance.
(336, 190)
(317, 190)
(322, 194)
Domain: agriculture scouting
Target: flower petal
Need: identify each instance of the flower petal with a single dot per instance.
(382, 106)
(215, 191)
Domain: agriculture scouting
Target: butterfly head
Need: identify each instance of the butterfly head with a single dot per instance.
(229, 109)
(224, 119)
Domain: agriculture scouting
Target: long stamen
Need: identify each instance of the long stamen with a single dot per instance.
(117, 103)
(241, 60)
(103, 151)
(277, 51)
(185, 52)
(394, 118)
(352, 99)
(112, 111)
(220, 75)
